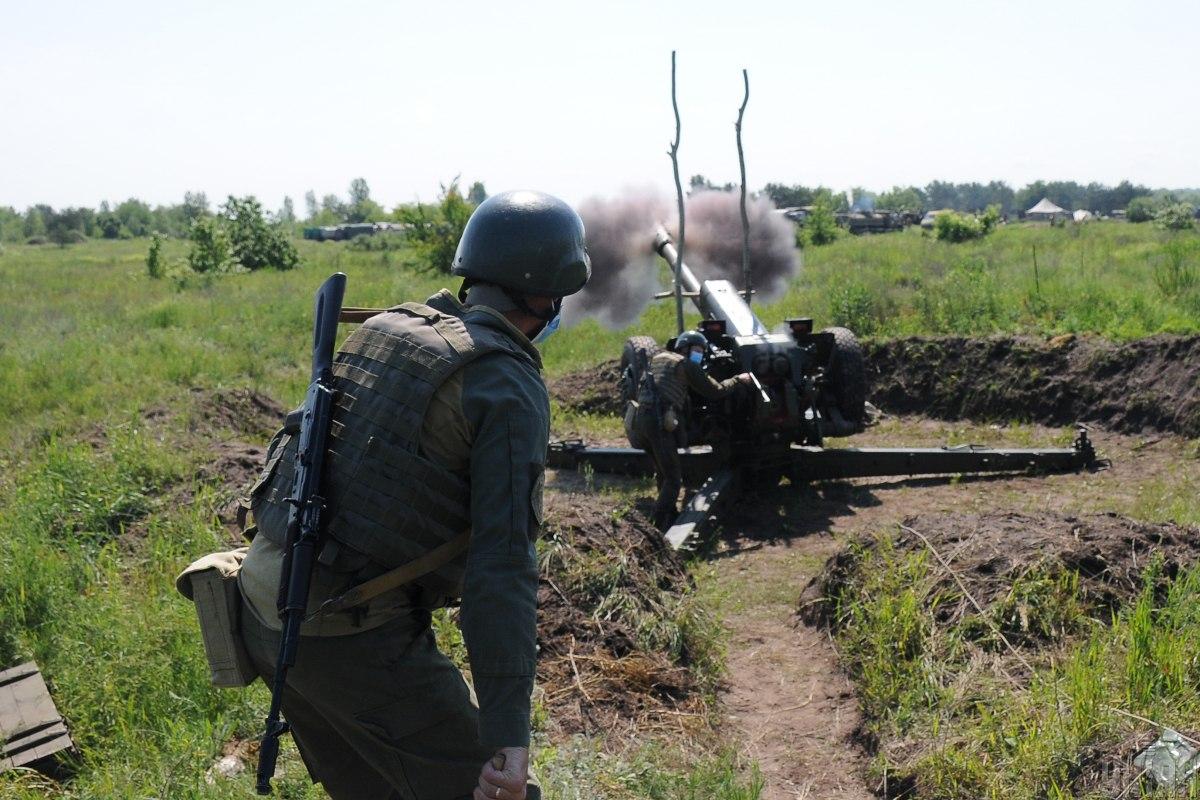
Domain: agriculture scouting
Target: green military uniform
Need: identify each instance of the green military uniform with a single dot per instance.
(664, 389)
(440, 426)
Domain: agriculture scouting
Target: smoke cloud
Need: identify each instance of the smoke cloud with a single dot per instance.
(620, 241)
(620, 236)
(714, 242)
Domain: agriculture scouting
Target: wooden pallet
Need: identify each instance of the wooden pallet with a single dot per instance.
(31, 728)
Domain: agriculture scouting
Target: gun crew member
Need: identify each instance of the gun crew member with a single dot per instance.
(662, 406)
(438, 438)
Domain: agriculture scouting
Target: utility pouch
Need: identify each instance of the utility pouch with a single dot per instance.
(670, 419)
(212, 584)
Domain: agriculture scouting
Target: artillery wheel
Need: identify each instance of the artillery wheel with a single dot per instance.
(635, 357)
(848, 375)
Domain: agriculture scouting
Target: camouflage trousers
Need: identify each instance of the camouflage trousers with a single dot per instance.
(379, 715)
(668, 471)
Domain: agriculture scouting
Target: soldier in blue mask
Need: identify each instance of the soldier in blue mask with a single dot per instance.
(662, 405)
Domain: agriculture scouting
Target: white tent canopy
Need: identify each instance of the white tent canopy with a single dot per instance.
(1045, 207)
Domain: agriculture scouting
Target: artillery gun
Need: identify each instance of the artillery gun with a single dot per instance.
(809, 386)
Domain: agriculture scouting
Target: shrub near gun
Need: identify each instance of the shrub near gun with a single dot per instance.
(304, 518)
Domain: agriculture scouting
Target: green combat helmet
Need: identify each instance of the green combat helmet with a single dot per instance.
(528, 243)
(689, 339)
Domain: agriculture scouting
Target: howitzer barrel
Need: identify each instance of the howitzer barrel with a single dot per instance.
(717, 299)
(664, 245)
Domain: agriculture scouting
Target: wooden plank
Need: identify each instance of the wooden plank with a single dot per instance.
(31, 728)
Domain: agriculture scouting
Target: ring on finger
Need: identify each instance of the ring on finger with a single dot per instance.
(497, 793)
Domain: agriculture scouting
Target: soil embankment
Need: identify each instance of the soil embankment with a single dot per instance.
(1130, 387)
(591, 391)
(1146, 385)
(993, 551)
(616, 633)
(1006, 592)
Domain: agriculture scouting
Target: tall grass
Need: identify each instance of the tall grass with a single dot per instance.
(1098, 278)
(101, 506)
(956, 725)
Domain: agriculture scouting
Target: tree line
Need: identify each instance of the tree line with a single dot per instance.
(134, 218)
(977, 197)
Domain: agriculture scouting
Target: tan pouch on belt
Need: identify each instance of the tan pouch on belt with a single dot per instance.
(212, 584)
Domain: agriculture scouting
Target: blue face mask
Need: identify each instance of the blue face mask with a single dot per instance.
(549, 329)
(696, 358)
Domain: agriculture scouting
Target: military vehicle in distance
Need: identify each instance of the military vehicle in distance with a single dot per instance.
(350, 230)
(809, 386)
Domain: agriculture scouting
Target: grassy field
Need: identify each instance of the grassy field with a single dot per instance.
(1117, 280)
(101, 504)
(100, 507)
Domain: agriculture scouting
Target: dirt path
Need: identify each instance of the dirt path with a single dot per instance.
(793, 709)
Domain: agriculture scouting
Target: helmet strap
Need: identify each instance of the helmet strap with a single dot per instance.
(462, 290)
(523, 304)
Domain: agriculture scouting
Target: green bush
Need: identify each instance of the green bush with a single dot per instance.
(434, 231)
(1140, 209)
(990, 219)
(239, 237)
(852, 306)
(1176, 217)
(820, 228)
(154, 258)
(254, 243)
(210, 246)
(951, 226)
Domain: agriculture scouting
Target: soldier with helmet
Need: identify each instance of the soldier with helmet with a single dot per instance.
(437, 454)
(662, 407)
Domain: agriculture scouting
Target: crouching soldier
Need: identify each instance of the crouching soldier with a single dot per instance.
(662, 406)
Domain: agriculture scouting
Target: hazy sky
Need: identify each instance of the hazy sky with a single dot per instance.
(149, 99)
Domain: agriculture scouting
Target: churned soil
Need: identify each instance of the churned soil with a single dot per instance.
(1145, 385)
(592, 391)
(607, 576)
(242, 411)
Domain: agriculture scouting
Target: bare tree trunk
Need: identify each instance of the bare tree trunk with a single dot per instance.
(746, 285)
(674, 153)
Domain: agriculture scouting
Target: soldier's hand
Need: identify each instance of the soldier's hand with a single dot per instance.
(746, 378)
(505, 776)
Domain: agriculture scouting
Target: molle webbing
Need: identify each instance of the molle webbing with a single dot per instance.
(664, 368)
(385, 499)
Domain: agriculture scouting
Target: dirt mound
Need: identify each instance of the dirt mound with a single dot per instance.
(615, 626)
(1012, 564)
(593, 391)
(1151, 384)
(244, 411)
(234, 467)
(1146, 385)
